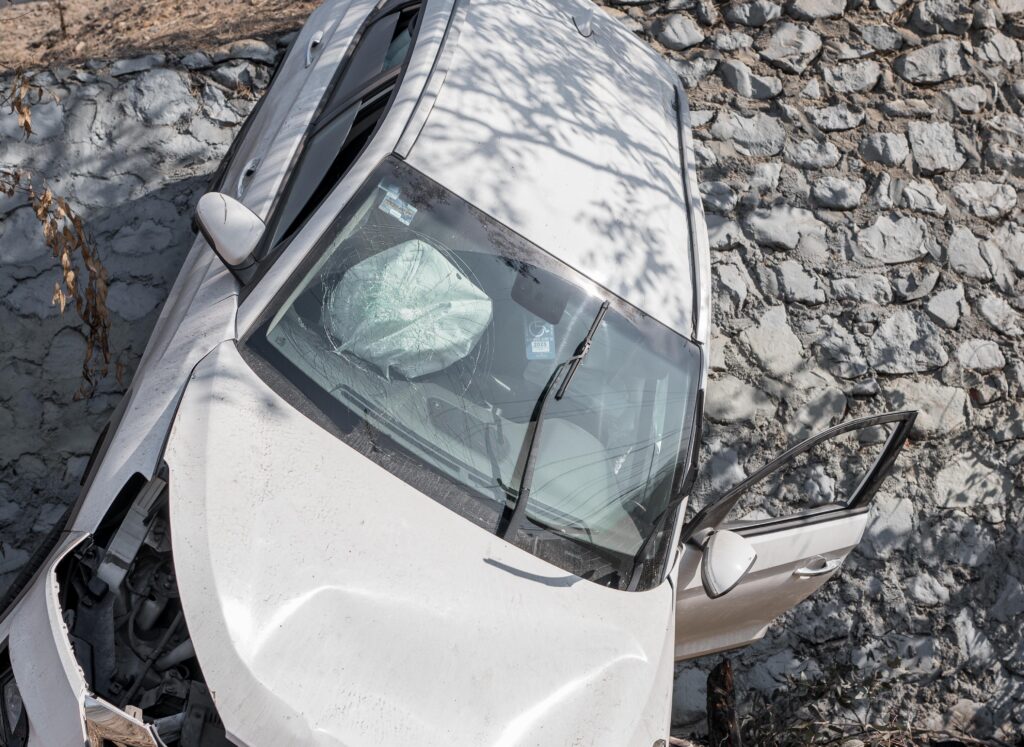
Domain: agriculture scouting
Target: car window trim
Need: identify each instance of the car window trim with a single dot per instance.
(268, 253)
(715, 514)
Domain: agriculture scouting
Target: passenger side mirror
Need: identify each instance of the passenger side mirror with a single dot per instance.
(727, 558)
(230, 228)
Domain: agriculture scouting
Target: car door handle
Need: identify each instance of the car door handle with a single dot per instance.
(826, 566)
(313, 44)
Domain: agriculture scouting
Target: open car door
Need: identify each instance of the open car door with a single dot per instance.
(797, 518)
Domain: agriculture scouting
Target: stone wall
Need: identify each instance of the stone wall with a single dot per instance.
(860, 165)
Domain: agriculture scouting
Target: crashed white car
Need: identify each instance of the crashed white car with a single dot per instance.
(408, 457)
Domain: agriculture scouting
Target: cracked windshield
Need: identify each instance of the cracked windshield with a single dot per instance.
(425, 334)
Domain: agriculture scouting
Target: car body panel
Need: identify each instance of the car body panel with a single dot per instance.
(45, 669)
(333, 604)
(769, 589)
(570, 141)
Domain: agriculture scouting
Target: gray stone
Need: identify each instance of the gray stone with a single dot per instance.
(723, 233)
(730, 400)
(941, 409)
(822, 410)
(923, 198)
(853, 77)
(888, 148)
(137, 64)
(969, 484)
(938, 16)
(798, 285)
(812, 10)
(216, 106)
(968, 99)
(835, 118)
(933, 63)
(913, 283)
(999, 50)
(785, 227)
(773, 343)
(1010, 603)
(735, 281)
(732, 41)
(842, 355)
(739, 78)
(753, 12)
(756, 135)
(47, 121)
(812, 154)
(133, 301)
(893, 239)
(694, 70)
(986, 199)
(980, 355)
(689, 696)
(838, 194)
(1010, 428)
(947, 307)
(882, 38)
(934, 147)
(240, 75)
(1008, 241)
(1000, 315)
(890, 525)
(906, 342)
(975, 648)
(246, 49)
(964, 250)
(196, 61)
(718, 196)
(791, 47)
(926, 591)
(163, 97)
(867, 288)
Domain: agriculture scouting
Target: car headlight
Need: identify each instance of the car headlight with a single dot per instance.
(14, 732)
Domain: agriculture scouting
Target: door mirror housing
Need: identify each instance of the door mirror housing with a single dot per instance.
(727, 558)
(230, 228)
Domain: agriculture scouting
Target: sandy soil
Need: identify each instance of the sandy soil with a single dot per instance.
(30, 30)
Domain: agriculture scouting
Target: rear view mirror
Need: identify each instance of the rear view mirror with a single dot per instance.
(230, 228)
(727, 558)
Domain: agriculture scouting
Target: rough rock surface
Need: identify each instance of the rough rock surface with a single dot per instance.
(909, 293)
(822, 310)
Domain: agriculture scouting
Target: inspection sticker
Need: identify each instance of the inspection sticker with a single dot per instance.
(540, 340)
(395, 206)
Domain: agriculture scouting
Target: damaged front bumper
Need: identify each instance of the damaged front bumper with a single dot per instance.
(98, 646)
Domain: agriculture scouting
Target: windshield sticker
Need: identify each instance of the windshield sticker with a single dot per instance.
(540, 340)
(396, 207)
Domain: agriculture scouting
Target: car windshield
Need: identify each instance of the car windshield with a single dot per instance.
(423, 334)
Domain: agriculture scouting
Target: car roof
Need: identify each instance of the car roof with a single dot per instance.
(572, 142)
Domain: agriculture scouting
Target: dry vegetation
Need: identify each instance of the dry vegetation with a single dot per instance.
(38, 33)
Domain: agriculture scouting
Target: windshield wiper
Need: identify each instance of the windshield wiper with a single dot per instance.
(537, 419)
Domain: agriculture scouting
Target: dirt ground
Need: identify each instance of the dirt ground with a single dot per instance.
(31, 34)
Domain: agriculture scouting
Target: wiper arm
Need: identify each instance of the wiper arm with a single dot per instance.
(537, 420)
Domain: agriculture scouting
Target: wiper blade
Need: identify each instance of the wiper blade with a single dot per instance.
(581, 350)
(537, 420)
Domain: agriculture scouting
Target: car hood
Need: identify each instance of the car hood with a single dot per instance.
(330, 603)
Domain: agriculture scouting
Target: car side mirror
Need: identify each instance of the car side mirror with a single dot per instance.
(230, 228)
(727, 558)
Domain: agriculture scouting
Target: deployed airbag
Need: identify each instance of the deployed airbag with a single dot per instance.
(407, 308)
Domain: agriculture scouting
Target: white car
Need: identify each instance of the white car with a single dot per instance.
(408, 456)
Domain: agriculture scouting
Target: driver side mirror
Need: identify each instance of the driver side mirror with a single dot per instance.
(230, 228)
(727, 558)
